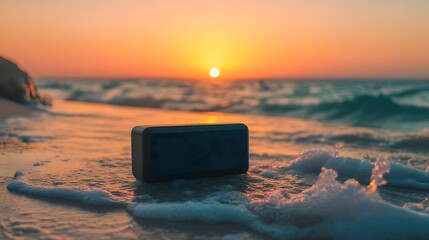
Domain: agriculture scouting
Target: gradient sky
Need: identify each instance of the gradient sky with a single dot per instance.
(244, 39)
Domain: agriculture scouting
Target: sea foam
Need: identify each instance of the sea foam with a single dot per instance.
(328, 209)
(89, 197)
(312, 160)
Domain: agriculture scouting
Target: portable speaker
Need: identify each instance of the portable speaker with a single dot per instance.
(189, 151)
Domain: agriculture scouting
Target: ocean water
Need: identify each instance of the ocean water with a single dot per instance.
(395, 105)
(328, 159)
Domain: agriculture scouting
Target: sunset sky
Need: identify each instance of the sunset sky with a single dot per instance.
(243, 39)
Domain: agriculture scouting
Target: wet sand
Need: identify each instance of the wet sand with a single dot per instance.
(9, 108)
(11, 160)
(38, 217)
(75, 181)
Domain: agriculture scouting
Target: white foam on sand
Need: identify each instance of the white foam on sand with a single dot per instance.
(209, 210)
(89, 197)
(312, 160)
(328, 209)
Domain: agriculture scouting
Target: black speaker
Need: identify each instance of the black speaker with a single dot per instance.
(189, 151)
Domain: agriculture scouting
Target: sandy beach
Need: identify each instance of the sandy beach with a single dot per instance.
(34, 155)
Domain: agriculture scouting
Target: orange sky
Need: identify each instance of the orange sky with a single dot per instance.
(244, 39)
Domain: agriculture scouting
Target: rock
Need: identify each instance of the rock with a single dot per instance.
(16, 85)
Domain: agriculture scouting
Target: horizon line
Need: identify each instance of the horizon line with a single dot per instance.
(231, 79)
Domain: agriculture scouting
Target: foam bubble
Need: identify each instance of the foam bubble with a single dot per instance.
(311, 160)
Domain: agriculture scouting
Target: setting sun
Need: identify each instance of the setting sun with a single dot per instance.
(214, 73)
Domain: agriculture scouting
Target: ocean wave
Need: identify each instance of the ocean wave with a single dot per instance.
(409, 92)
(313, 160)
(362, 110)
(414, 142)
(368, 107)
(409, 141)
(352, 104)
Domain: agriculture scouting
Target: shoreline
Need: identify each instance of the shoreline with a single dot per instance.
(81, 154)
(10, 109)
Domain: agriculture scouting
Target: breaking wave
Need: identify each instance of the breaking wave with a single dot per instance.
(313, 160)
(370, 108)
